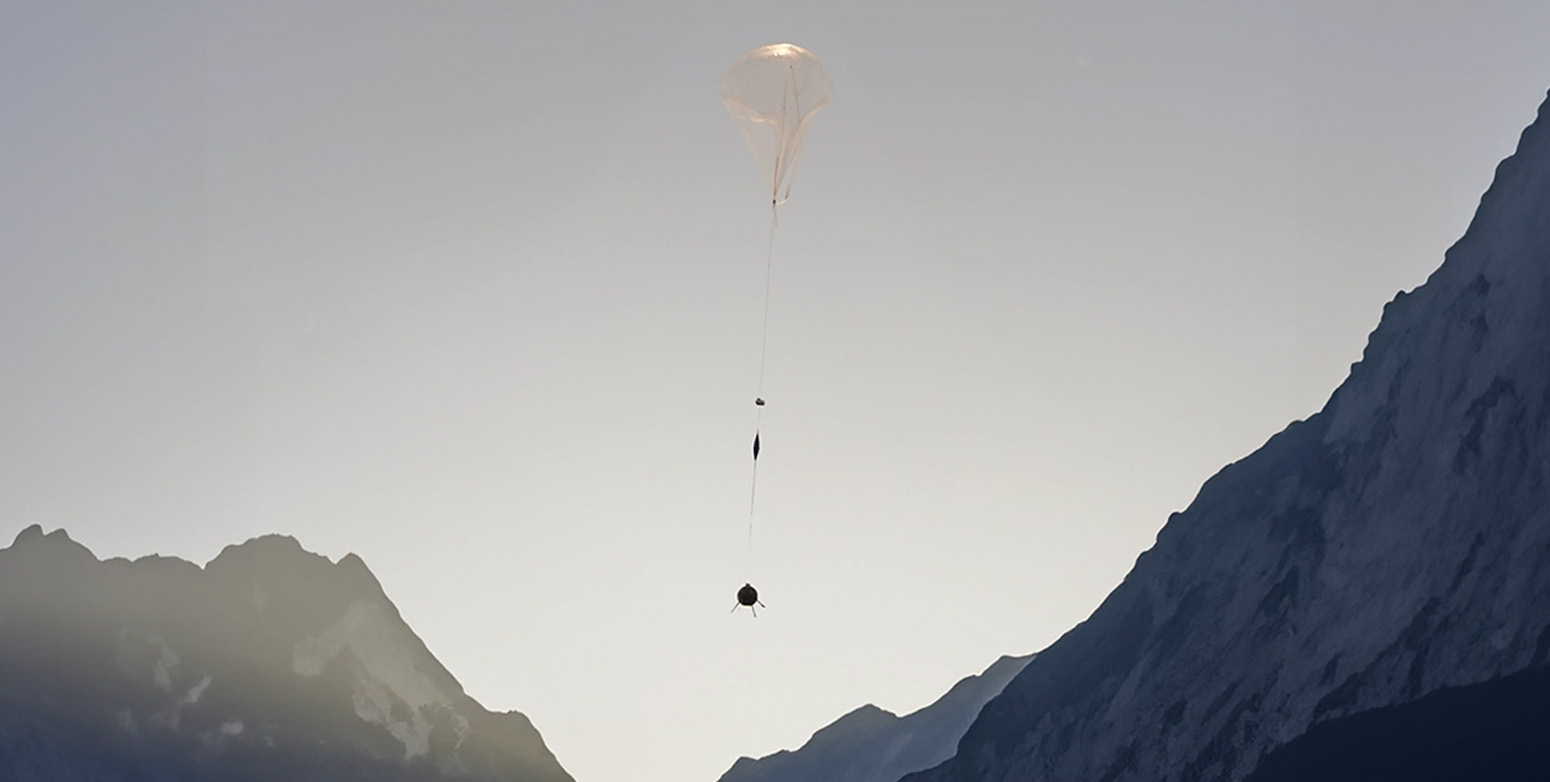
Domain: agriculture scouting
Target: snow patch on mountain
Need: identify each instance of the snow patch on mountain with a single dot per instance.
(192, 696)
(389, 678)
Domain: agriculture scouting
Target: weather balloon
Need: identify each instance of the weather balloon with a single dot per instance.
(773, 93)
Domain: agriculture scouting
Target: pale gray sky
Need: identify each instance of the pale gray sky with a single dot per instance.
(473, 290)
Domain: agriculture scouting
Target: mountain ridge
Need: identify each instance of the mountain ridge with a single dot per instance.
(1385, 547)
(268, 662)
(871, 744)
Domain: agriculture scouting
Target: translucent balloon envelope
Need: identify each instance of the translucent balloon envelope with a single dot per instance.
(773, 92)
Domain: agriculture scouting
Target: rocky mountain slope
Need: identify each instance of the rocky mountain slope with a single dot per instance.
(1392, 548)
(874, 745)
(269, 663)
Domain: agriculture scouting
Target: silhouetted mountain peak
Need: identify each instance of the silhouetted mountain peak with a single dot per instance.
(871, 744)
(270, 662)
(56, 545)
(1390, 546)
(267, 552)
(862, 719)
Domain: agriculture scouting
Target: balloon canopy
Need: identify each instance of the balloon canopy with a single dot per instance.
(773, 92)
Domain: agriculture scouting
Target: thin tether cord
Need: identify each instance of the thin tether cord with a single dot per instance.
(769, 265)
(764, 342)
(764, 337)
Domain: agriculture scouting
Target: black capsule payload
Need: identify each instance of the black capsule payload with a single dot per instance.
(748, 596)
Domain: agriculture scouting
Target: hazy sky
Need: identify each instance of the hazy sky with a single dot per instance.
(473, 290)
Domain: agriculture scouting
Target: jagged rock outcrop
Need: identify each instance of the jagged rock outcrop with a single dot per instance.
(1395, 543)
(269, 663)
(875, 745)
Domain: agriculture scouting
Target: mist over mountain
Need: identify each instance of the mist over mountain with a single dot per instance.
(874, 745)
(268, 663)
(1367, 596)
